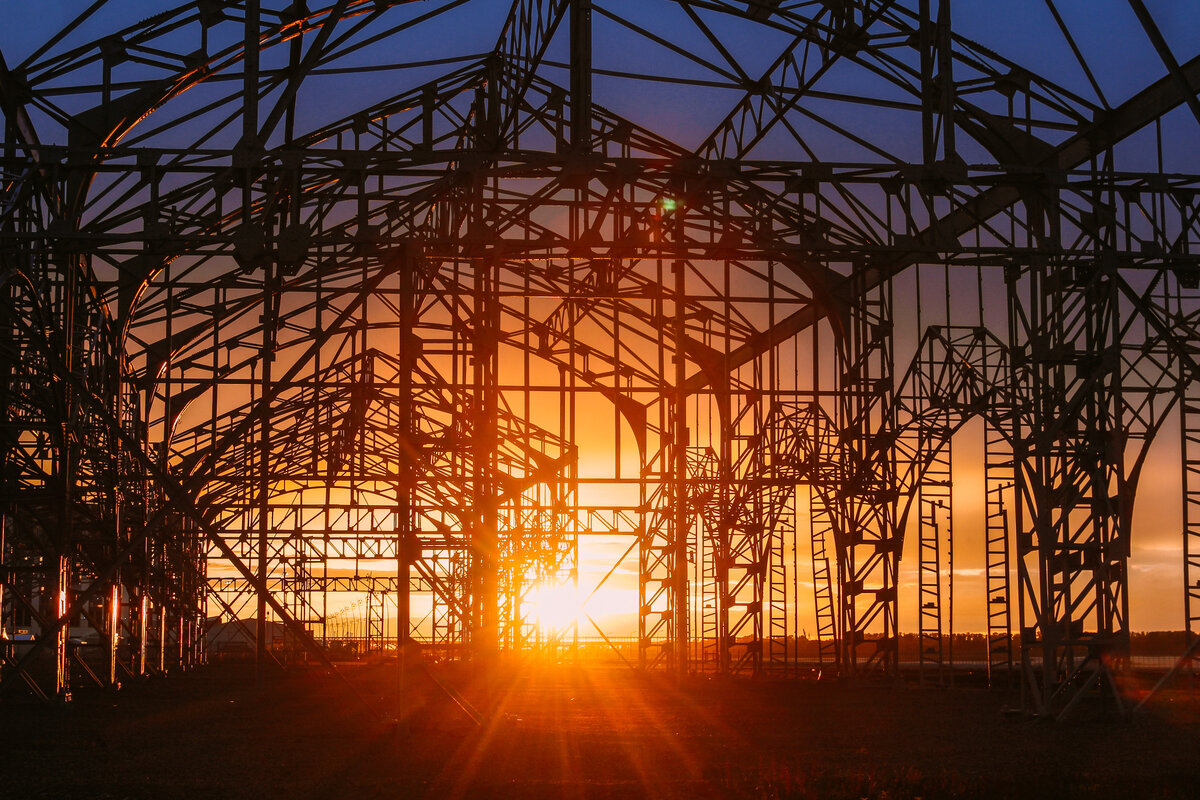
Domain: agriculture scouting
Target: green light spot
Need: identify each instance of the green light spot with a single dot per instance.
(668, 203)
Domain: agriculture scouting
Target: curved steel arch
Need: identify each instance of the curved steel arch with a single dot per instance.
(590, 259)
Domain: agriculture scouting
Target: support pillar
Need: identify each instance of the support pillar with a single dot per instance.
(581, 76)
(114, 631)
(62, 660)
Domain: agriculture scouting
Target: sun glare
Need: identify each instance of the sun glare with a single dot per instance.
(555, 606)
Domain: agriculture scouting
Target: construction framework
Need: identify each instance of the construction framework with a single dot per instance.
(362, 297)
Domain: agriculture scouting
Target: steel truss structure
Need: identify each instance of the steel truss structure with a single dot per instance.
(360, 296)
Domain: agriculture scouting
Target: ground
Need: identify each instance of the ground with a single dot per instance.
(572, 732)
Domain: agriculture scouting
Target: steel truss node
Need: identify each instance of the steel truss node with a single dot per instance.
(288, 319)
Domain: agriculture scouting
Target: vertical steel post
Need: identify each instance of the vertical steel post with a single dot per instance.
(407, 544)
(114, 630)
(486, 579)
(681, 523)
(162, 638)
(937, 83)
(5, 648)
(581, 76)
(1189, 430)
(143, 629)
(249, 145)
(62, 664)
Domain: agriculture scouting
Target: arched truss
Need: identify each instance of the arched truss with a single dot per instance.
(718, 227)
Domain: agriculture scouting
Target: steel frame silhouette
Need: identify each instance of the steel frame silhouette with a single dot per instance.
(247, 339)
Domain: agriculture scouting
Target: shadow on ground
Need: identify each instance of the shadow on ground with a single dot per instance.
(559, 731)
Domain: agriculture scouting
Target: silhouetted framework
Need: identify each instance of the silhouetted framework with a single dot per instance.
(362, 299)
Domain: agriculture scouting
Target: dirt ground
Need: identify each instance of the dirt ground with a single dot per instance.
(561, 731)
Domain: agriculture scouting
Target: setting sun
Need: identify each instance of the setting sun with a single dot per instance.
(555, 607)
